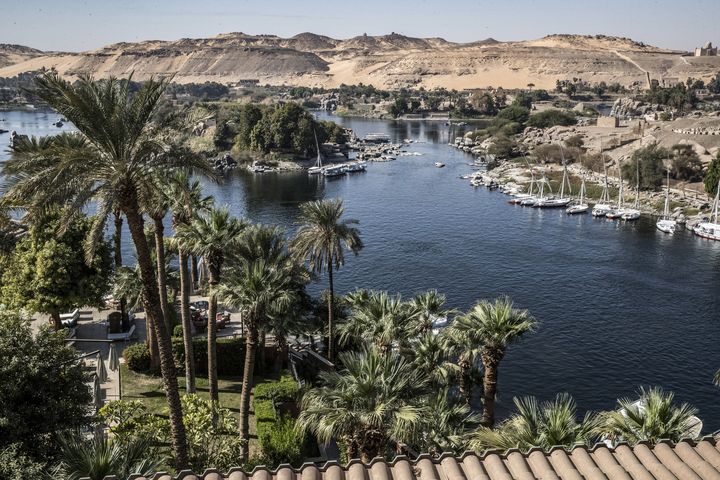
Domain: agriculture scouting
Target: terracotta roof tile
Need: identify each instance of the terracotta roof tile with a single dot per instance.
(686, 460)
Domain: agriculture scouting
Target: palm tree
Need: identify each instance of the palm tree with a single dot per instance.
(463, 344)
(430, 308)
(260, 284)
(100, 457)
(375, 400)
(431, 356)
(653, 418)
(381, 319)
(322, 240)
(185, 200)
(211, 236)
(536, 424)
(120, 152)
(446, 424)
(493, 327)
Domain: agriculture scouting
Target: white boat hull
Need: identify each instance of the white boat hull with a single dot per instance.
(574, 209)
(601, 210)
(711, 231)
(666, 226)
(631, 215)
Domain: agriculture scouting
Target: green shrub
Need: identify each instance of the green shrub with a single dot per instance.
(178, 331)
(282, 444)
(264, 411)
(15, 464)
(230, 355)
(137, 357)
(550, 118)
(286, 389)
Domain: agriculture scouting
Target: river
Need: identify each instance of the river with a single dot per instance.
(620, 305)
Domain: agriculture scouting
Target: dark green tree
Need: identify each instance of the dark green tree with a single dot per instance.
(712, 177)
(44, 391)
(652, 169)
(47, 273)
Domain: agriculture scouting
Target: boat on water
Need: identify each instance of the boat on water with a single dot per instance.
(561, 201)
(711, 228)
(602, 208)
(355, 167)
(318, 167)
(377, 138)
(541, 198)
(439, 164)
(619, 210)
(581, 206)
(334, 171)
(632, 214)
(666, 224)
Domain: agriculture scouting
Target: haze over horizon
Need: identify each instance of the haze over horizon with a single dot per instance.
(86, 25)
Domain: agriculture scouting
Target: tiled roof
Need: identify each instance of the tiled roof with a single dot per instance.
(686, 460)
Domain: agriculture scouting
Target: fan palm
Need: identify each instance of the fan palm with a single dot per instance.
(430, 307)
(101, 457)
(492, 327)
(654, 417)
(446, 424)
(185, 200)
(121, 151)
(431, 356)
(374, 400)
(260, 285)
(381, 319)
(322, 240)
(537, 424)
(211, 236)
(462, 344)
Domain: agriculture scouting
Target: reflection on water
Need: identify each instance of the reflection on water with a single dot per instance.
(620, 304)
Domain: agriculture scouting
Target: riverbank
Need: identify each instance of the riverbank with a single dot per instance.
(688, 205)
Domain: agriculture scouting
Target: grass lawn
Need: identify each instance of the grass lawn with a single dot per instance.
(149, 390)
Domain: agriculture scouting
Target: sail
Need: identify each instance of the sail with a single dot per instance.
(319, 156)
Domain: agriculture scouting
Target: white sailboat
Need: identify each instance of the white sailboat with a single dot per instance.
(562, 200)
(631, 214)
(619, 210)
(666, 224)
(711, 229)
(603, 207)
(541, 198)
(318, 167)
(581, 206)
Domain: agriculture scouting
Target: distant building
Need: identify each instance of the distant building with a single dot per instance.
(608, 122)
(706, 50)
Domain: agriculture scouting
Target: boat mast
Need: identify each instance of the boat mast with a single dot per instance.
(714, 214)
(317, 147)
(605, 197)
(620, 191)
(582, 191)
(666, 210)
(637, 183)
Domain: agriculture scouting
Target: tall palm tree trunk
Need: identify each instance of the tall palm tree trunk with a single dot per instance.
(117, 243)
(247, 384)
(465, 381)
(490, 379)
(195, 273)
(161, 272)
(151, 302)
(212, 335)
(331, 308)
(186, 322)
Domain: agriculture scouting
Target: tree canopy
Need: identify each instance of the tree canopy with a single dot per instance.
(48, 273)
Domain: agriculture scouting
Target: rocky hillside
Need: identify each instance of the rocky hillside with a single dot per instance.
(388, 61)
(12, 54)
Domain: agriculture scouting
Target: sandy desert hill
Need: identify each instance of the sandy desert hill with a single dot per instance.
(388, 61)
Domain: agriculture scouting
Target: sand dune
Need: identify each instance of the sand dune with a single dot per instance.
(388, 61)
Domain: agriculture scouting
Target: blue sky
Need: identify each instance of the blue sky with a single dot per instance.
(74, 25)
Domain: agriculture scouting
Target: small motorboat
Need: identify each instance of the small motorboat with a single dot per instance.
(439, 164)
(355, 167)
(615, 213)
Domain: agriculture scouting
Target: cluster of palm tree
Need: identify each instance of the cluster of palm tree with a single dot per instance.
(132, 167)
(371, 411)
